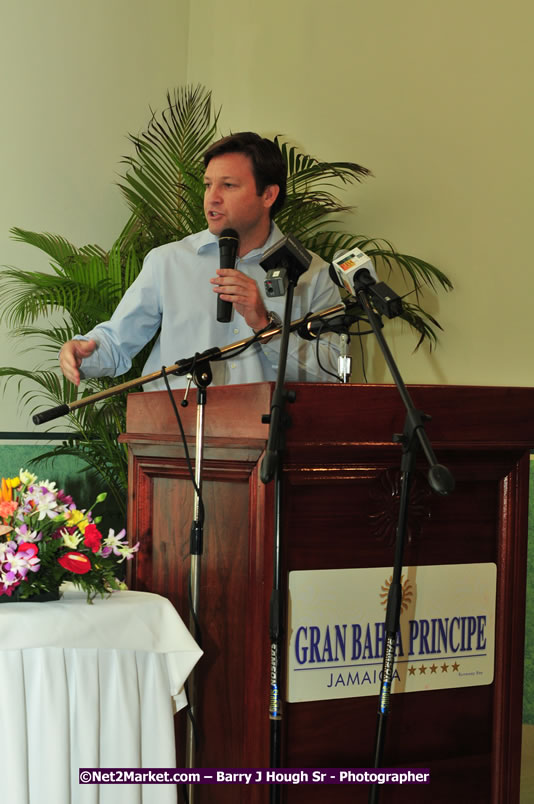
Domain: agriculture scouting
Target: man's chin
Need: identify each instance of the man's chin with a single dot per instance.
(217, 226)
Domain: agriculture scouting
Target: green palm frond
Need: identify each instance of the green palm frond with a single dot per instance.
(86, 288)
(48, 339)
(57, 247)
(305, 170)
(100, 460)
(163, 185)
(422, 322)
(26, 295)
(310, 205)
(412, 268)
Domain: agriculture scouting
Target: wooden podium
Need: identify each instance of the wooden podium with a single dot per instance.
(341, 472)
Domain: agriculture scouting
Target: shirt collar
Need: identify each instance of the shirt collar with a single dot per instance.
(208, 240)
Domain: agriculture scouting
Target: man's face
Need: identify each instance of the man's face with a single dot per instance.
(231, 199)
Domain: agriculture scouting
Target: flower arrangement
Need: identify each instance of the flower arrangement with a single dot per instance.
(46, 540)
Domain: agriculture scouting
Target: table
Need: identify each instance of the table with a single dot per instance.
(90, 686)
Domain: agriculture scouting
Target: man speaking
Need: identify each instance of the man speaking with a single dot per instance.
(176, 291)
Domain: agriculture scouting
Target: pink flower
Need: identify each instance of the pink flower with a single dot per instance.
(8, 590)
(66, 499)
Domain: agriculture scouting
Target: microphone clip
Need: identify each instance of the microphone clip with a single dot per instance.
(385, 300)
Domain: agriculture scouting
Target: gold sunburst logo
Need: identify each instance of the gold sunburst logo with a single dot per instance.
(407, 592)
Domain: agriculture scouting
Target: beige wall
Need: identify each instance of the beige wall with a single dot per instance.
(75, 78)
(435, 96)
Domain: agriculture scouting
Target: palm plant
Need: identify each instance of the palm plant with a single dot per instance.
(85, 287)
(164, 181)
(163, 186)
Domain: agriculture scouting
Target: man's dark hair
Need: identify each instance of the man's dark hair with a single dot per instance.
(267, 163)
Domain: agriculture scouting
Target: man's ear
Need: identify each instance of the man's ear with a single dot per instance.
(270, 194)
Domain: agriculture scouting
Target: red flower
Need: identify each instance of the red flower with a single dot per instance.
(25, 546)
(92, 538)
(75, 562)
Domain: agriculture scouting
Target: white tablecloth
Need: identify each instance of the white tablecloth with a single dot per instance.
(90, 686)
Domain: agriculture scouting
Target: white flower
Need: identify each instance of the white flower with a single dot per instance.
(9, 578)
(46, 505)
(71, 540)
(127, 552)
(115, 542)
(119, 545)
(19, 564)
(4, 547)
(24, 534)
(26, 478)
(49, 485)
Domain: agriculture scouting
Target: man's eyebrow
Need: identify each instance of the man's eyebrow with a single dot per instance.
(235, 178)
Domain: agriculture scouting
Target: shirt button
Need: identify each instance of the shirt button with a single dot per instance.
(236, 331)
(233, 365)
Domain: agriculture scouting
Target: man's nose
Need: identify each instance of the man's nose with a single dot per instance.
(214, 194)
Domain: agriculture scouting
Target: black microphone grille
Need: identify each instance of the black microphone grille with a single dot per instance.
(228, 234)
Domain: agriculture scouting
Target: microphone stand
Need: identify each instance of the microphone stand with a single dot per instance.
(440, 480)
(271, 469)
(284, 263)
(202, 377)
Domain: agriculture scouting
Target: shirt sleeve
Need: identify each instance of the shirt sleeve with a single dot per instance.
(134, 322)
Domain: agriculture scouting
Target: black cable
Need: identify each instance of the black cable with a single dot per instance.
(362, 353)
(186, 449)
(319, 333)
(359, 333)
(252, 340)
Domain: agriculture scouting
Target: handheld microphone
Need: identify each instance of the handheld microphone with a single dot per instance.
(228, 246)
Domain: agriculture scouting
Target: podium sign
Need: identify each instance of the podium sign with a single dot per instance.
(337, 632)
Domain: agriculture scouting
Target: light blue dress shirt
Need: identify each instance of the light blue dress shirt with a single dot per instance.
(173, 293)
